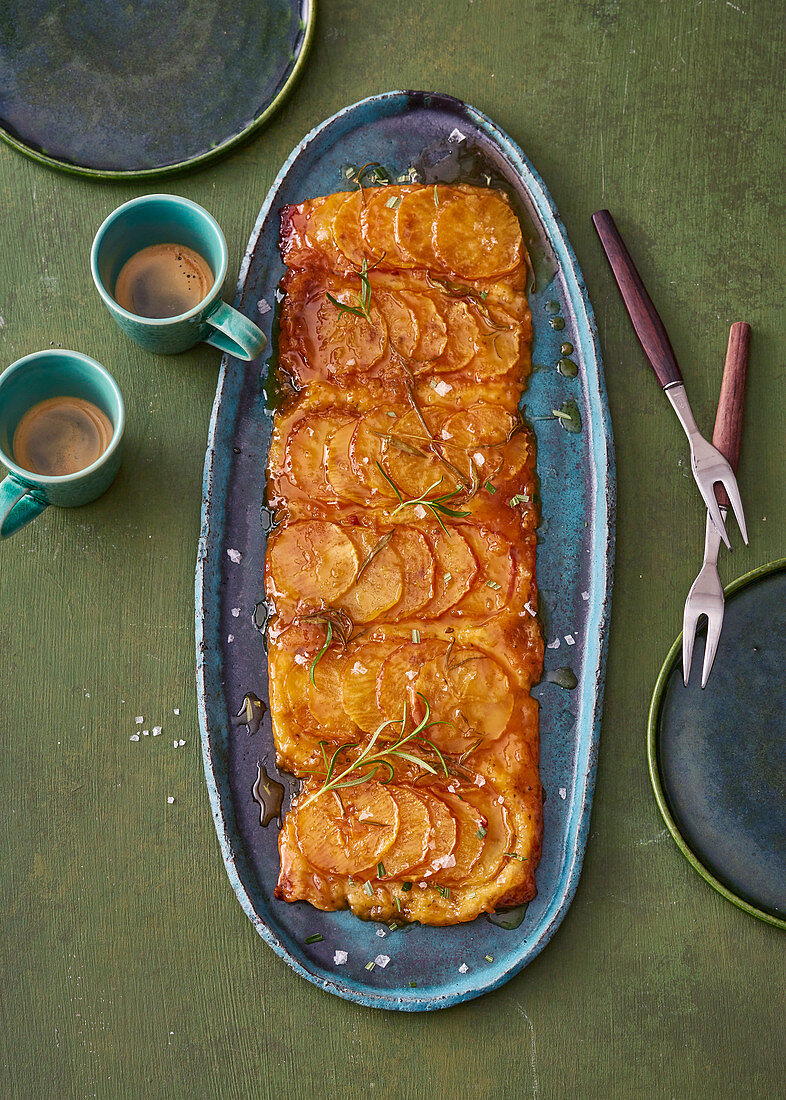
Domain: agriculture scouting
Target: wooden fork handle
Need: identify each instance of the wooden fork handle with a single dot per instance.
(644, 317)
(727, 434)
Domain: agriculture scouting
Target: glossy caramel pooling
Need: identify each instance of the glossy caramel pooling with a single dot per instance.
(403, 400)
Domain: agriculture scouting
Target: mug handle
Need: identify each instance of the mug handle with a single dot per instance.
(18, 506)
(235, 333)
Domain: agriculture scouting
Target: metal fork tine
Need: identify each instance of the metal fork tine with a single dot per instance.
(714, 624)
(729, 483)
(708, 493)
(688, 638)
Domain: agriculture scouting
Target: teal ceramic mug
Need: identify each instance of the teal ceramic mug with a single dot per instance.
(169, 219)
(38, 377)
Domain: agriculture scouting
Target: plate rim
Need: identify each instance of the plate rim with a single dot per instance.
(308, 7)
(601, 451)
(653, 739)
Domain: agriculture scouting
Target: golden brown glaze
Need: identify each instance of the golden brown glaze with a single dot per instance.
(402, 483)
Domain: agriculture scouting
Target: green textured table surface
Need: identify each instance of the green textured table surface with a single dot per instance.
(128, 967)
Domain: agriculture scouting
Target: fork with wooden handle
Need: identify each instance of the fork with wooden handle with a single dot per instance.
(706, 594)
(707, 463)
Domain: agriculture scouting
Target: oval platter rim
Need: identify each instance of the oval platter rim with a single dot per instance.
(603, 475)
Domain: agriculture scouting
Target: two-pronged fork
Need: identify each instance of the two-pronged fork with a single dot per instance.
(708, 464)
(706, 594)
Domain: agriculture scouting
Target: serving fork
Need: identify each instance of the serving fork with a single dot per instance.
(706, 595)
(707, 463)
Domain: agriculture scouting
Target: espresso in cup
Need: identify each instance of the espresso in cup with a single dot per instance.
(61, 435)
(163, 280)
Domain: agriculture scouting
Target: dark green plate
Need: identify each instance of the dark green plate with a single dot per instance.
(717, 757)
(145, 87)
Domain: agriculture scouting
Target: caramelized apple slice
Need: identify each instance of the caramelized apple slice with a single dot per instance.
(346, 230)
(378, 225)
(498, 352)
(305, 451)
(322, 699)
(344, 341)
(414, 225)
(401, 321)
(456, 568)
(470, 834)
(468, 692)
(477, 235)
(493, 587)
(464, 337)
(338, 468)
(398, 672)
(431, 326)
(499, 838)
(475, 434)
(366, 449)
(359, 684)
(310, 561)
(414, 833)
(382, 581)
(319, 228)
(349, 833)
(444, 833)
(417, 567)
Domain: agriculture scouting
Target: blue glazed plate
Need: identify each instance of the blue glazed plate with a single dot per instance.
(429, 968)
(139, 89)
(716, 755)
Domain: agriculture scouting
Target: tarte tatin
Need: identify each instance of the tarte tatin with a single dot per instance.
(403, 640)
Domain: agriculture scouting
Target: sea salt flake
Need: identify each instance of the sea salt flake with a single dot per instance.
(170, 799)
(235, 612)
(145, 733)
(563, 792)
(139, 720)
(340, 957)
(180, 743)
(554, 644)
(174, 743)
(481, 461)
(133, 737)
(528, 607)
(442, 387)
(156, 731)
(230, 638)
(382, 960)
(420, 512)
(381, 933)
(570, 639)
(456, 135)
(463, 968)
(176, 710)
(263, 307)
(234, 555)
(585, 595)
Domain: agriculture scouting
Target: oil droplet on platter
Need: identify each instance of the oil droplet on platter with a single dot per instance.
(269, 796)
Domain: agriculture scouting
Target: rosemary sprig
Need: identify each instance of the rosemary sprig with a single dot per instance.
(321, 653)
(363, 300)
(339, 625)
(368, 761)
(436, 505)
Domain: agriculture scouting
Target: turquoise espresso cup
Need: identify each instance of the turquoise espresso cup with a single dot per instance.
(45, 374)
(169, 219)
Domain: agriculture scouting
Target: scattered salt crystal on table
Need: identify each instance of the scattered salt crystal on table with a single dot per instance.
(554, 644)
(145, 733)
(230, 638)
(170, 799)
(139, 720)
(456, 135)
(380, 931)
(180, 744)
(263, 306)
(234, 555)
(235, 612)
(340, 957)
(570, 639)
(176, 710)
(463, 968)
(563, 792)
(382, 960)
(134, 737)
(156, 731)
(585, 595)
(174, 744)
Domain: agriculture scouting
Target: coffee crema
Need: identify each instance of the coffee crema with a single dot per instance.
(61, 435)
(163, 280)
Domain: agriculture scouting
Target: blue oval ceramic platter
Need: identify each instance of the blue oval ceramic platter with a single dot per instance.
(417, 968)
